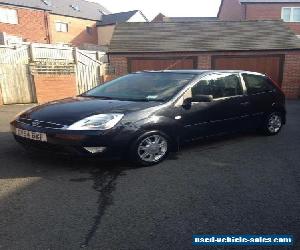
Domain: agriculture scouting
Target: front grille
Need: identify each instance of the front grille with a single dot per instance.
(40, 124)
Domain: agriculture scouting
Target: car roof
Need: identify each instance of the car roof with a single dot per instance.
(198, 72)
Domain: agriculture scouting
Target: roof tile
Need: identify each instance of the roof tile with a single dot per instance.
(202, 36)
(87, 10)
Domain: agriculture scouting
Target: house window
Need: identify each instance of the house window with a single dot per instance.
(61, 27)
(290, 14)
(8, 16)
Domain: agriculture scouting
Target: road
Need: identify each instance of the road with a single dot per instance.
(238, 184)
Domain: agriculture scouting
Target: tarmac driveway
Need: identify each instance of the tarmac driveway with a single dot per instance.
(241, 184)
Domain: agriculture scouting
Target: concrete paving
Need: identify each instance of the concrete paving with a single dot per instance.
(238, 184)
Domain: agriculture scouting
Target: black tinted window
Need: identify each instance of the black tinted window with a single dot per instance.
(257, 84)
(218, 85)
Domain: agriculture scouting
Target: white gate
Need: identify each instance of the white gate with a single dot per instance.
(88, 72)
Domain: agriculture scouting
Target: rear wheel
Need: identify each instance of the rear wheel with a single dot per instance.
(150, 149)
(273, 123)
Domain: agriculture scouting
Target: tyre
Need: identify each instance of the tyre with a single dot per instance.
(150, 149)
(272, 124)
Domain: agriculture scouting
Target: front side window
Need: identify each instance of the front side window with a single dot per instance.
(257, 84)
(290, 14)
(8, 16)
(219, 86)
(142, 87)
(61, 27)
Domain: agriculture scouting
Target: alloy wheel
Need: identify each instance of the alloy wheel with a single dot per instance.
(152, 148)
(274, 123)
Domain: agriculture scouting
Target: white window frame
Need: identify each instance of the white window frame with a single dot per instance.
(9, 16)
(59, 28)
(291, 16)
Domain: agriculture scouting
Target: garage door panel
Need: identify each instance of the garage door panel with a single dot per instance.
(271, 65)
(140, 64)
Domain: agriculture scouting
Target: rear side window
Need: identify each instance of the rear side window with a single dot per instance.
(218, 85)
(257, 84)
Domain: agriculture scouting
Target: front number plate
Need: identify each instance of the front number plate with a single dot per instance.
(36, 136)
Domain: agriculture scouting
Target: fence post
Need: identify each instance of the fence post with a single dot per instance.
(31, 53)
(75, 55)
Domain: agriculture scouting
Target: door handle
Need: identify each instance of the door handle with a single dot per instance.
(245, 103)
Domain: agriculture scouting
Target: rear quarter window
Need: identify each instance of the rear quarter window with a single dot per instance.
(257, 84)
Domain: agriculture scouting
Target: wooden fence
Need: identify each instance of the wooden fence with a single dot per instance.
(18, 64)
(14, 54)
(16, 84)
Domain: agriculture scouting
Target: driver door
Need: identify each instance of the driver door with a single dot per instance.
(227, 111)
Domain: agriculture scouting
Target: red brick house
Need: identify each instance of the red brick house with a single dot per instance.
(30, 24)
(209, 45)
(286, 10)
(52, 21)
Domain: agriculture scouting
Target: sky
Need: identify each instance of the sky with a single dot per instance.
(170, 8)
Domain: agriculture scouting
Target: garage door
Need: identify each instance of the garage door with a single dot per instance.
(139, 64)
(271, 65)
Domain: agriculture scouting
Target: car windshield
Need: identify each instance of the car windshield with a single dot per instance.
(142, 87)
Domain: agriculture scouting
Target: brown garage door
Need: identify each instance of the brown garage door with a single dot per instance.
(271, 65)
(139, 64)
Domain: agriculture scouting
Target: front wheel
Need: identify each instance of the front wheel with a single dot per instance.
(150, 149)
(272, 124)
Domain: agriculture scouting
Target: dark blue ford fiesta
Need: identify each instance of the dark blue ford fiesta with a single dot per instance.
(145, 115)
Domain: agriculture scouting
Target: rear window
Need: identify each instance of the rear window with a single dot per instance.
(257, 84)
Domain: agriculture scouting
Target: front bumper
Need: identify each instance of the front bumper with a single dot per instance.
(67, 142)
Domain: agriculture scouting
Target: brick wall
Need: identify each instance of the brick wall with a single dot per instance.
(232, 10)
(54, 87)
(31, 25)
(291, 76)
(270, 12)
(120, 65)
(77, 30)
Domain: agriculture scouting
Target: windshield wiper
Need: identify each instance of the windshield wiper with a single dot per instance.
(99, 97)
(146, 100)
(124, 99)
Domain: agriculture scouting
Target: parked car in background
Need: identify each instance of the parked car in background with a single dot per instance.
(146, 115)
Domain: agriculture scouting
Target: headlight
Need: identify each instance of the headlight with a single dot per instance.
(97, 122)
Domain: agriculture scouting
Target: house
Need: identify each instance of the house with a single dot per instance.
(287, 10)
(19, 20)
(108, 22)
(264, 46)
(75, 22)
(52, 21)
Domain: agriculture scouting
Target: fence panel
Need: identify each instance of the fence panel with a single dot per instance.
(14, 55)
(15, 65)
(51, 52)
(16, 84)
(87, 77)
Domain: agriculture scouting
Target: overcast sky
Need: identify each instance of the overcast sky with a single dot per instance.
(168, 7)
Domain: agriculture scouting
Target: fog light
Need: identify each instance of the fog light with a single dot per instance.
(95, 150)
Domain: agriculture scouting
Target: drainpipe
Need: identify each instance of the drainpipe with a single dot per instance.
(47, 26)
